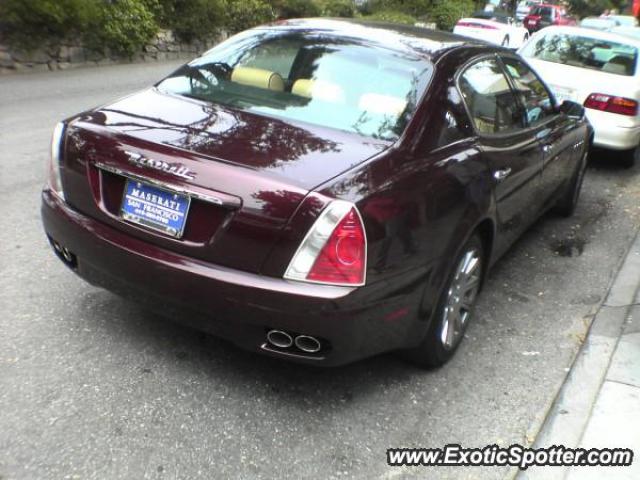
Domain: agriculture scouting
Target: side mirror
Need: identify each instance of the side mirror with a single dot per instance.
(572, 109)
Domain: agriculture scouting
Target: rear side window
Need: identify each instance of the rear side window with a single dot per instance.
(489, 98)
(584, 52)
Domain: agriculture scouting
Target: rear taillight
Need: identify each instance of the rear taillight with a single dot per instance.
(55, 182)
(612, 104)
(334, 251)
(483, 26)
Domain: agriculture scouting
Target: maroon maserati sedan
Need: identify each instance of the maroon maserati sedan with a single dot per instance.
(317, 190)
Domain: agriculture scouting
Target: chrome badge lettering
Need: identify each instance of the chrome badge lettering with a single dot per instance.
(172, 168)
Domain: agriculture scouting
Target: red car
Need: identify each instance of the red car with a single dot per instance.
(544, 15)
(318, 191)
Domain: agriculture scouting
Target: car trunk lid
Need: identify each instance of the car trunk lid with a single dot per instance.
(561, 80)
(244, 174)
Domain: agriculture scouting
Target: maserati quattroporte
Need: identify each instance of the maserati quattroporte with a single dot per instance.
(317, 190)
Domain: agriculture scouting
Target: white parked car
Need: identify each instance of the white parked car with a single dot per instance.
(597, 69)
(598, 23)
(524, 8)
(624, 20)
(493, 27)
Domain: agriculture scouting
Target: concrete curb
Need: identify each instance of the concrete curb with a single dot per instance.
(570, 411)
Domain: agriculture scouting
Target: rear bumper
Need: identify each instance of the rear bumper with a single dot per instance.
(614, 131)
(239, 306)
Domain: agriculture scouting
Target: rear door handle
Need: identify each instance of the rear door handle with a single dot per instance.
(501, 174)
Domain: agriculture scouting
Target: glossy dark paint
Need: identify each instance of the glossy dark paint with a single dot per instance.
(419, 198)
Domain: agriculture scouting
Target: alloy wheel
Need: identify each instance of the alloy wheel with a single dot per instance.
(461, 298)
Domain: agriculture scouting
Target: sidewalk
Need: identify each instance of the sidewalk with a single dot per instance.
(599, 404)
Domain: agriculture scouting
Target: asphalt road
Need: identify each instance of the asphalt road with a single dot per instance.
(92, 386)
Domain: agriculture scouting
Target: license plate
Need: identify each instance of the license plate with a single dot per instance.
(155, 208)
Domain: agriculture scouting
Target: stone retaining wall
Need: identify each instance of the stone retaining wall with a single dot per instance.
(73, 54)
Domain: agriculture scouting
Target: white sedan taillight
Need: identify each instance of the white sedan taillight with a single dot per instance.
(334, 252)
(612, 104)
(55, 182)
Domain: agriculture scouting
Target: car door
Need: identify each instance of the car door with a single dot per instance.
(555, 133)
(511, 149)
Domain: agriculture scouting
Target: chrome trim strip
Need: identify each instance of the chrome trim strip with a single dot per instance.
(267, 348)
(167, 186)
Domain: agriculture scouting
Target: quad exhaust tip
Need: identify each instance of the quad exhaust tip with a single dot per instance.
(64, 253)
(304, 343)
(279, 339)
(308, 344)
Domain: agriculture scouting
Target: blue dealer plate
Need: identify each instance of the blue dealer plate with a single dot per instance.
(155, 208)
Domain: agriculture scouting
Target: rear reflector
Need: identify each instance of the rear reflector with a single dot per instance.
(612, 104)
(334, 252)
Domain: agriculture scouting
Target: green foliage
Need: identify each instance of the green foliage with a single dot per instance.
(338, 8)
(391, 16)
(586, 8)
(243, 14)
(296, 8)
(124, 26)
(446, 13)
(30, 23)
(415, 8)
(192, 19)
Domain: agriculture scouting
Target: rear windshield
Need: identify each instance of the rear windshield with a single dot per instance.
(316, 78)
(585, 52)
(544, 12)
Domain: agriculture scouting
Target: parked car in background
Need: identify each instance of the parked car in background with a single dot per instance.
(545, 15)
(598, 23)
(317, 190)
(493, 27)
(524, 8)
(599, 70)
(624, 20)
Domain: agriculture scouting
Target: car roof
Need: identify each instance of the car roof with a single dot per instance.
(589, 32)
(423, 42)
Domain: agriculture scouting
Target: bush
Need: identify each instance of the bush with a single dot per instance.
(415, 8)
(391, 16)
(30, 23)
(446, 13)
(193, 19)
(296, 8)
(338, 8)
(243, 14)
(124, 26)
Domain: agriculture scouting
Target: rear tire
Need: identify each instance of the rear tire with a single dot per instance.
(567, 204)
(455, 308)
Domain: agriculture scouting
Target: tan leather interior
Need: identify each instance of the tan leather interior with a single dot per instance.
(318, 89)
(303, 88)
(257, 77)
